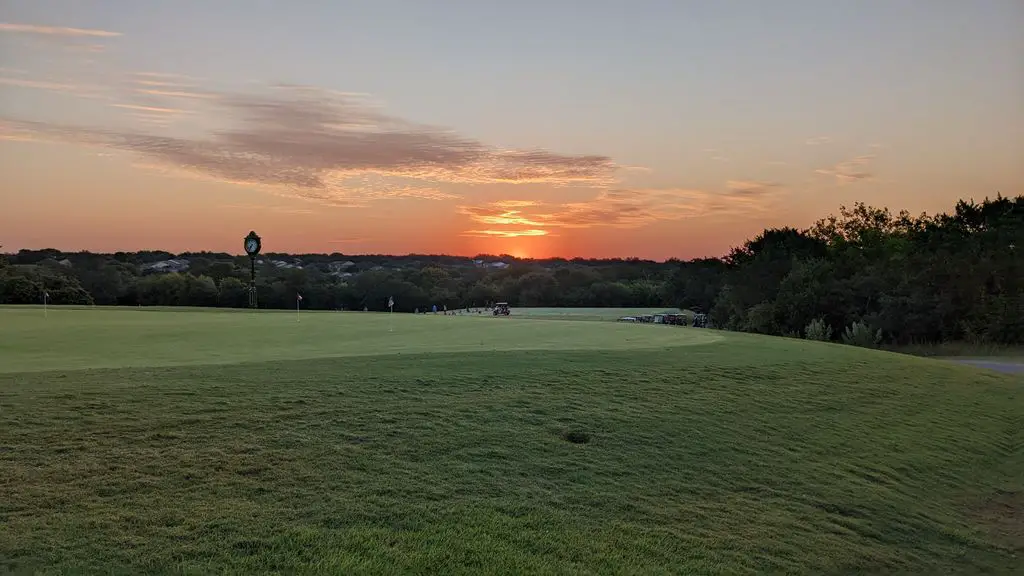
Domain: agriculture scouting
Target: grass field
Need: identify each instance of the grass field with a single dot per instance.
(194, 442)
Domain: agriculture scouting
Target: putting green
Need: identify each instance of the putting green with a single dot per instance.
(79, 338)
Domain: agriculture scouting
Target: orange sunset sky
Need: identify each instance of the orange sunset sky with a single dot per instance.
(654, 129)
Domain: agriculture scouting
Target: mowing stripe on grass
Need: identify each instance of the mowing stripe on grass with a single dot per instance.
(70, 339)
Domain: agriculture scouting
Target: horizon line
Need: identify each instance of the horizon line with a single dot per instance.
(371, 255)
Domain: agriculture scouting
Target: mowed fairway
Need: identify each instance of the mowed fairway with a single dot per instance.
(116, 338)
(202, 441)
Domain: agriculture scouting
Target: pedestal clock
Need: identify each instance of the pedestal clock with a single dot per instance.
(252, 248)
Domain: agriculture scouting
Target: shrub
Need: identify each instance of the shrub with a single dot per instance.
(761, 319)
(818, 330)
(860, 334)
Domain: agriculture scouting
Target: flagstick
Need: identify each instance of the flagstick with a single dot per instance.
(45, 298)
(297, 300)
(391, 310)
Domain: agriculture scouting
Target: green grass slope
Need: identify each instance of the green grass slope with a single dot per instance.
(255, 443)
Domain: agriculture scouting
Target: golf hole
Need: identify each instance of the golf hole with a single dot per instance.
(576, 436)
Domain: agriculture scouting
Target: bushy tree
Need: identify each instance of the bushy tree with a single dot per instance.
(818, 330)
(860, 334)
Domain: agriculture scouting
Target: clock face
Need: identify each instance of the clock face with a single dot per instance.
(252, 245)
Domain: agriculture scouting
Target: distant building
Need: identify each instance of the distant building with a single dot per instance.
(485, 264)
(338, 269)
(165, 266)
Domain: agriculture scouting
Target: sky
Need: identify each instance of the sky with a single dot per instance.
(597, 128)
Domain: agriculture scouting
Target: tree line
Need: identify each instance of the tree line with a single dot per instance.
(866, 276)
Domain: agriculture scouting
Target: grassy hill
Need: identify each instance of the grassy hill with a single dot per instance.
(196, 442)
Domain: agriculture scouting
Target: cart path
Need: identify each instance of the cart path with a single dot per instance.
(1006, 367)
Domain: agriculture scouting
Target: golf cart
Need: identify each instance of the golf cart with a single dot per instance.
(501, 309)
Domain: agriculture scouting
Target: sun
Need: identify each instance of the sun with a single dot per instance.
(519, 253)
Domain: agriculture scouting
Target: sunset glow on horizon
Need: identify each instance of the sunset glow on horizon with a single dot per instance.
(665, 129)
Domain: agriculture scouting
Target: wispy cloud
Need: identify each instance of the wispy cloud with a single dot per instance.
(385, 192)
(335, 198)
(504, 233)
(55, 30)
(516, 203)
(750, 187)
(497, 214)
(80, 90)
(621, 208)
(170, 75)
(39, 84)
(84, 41)
(158, 83)
(818, 140)
(637, 207)
(314, 143)
(506, 213)
(163, 80)
(156, 120)
(153, 109)
(628, 208)
(851, 170)
(87, 48)
(174, 93)
(163, 90)
(628, 168)
(11, 134)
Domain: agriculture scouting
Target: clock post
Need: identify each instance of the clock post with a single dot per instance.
(252, 248)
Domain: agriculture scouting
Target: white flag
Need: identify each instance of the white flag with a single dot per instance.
(299, 296)
(391, 302)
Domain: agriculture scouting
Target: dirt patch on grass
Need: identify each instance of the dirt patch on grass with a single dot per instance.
(1002, 516)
